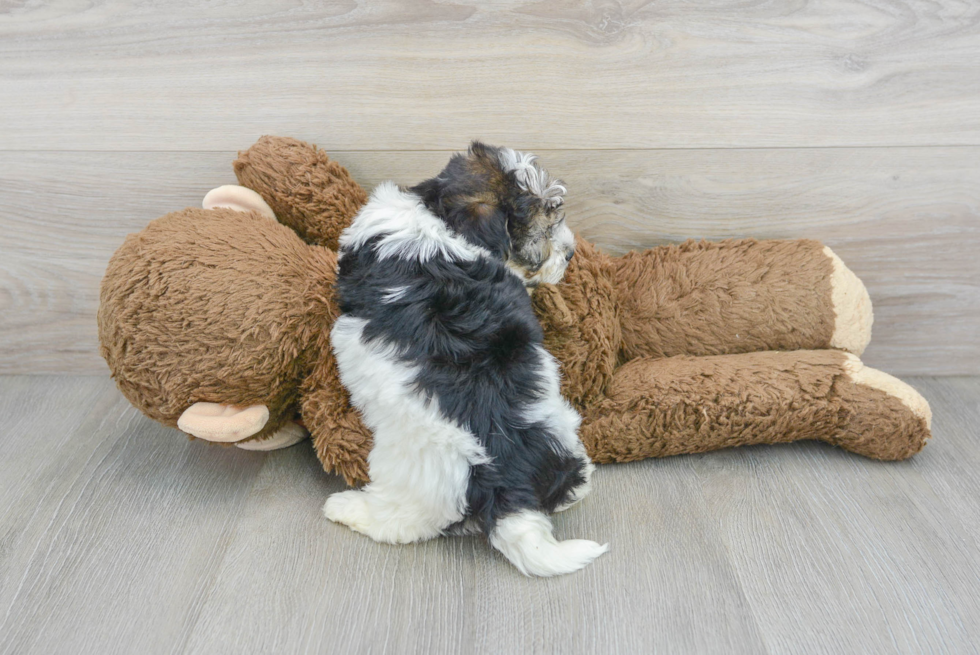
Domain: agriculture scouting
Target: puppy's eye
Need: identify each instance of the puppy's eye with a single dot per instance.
(556, 225)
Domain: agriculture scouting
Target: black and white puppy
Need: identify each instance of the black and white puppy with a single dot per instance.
(442, 354)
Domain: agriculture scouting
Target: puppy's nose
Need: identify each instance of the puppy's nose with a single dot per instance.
(569, 255)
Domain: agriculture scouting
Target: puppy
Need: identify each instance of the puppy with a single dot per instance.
(442, 354)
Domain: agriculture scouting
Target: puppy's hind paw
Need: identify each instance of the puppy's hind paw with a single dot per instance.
(349, 508)
(525, 539)
(572, 555)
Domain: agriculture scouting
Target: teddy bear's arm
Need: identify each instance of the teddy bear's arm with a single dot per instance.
(704, 298)
(679, 405)
(309, 193)
(342, 442)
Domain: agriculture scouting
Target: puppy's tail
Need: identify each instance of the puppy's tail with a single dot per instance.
(525, 539)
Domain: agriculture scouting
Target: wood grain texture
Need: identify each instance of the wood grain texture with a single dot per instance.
(120, 536)
(907, 221)
(885, 563)
(127, 75)
(952, 471)
(457, 595)
(111, 522)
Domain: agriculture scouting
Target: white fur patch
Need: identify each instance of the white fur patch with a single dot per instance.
(394, 294)
(408, 230)
(525, 539)
(531, 177)
(420, 462)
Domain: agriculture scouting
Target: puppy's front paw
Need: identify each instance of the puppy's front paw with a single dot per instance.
(349, 508)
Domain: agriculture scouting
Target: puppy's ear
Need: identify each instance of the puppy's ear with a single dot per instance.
(480, 149)
(430, 191)
(484, 223)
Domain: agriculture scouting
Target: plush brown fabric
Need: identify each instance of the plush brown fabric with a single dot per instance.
(735, 296)
(663, 352)
(696, 404)
(308, 192)
(216, 306)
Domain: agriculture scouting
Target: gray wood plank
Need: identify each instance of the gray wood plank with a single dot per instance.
(667, 585)
(114, 528)
(907, 220)
(38, 451)
(840, 554)
(294, 582)
(120, 536)
(127, 75)
(951, 469)
(307, 585)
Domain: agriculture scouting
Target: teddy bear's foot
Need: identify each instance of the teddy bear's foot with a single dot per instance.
(889, 419)
(852, 308)
(238, 198)
(288, 435)
(223, 423)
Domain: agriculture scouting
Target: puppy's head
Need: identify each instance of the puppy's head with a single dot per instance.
(500, 200)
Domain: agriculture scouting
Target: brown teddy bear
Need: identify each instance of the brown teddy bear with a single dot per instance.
(217, 321)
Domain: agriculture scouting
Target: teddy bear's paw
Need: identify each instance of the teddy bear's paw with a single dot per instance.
(239, 198)
(852, 306)
(871, 377)
(288, 435)
(223, 423)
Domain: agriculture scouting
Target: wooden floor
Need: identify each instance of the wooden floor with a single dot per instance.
(120, 536)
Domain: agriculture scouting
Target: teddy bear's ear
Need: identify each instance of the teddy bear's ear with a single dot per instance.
(550, 306)
(238, 198)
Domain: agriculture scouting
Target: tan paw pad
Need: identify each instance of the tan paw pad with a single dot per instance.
(223, 423)
(239, 198)
(891, 385)
(852, 305)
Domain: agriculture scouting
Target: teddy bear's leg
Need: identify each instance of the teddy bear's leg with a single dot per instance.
(738, 296)
(223, 423)
(678, 405)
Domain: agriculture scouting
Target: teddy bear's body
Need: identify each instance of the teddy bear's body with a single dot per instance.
(667, 351)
